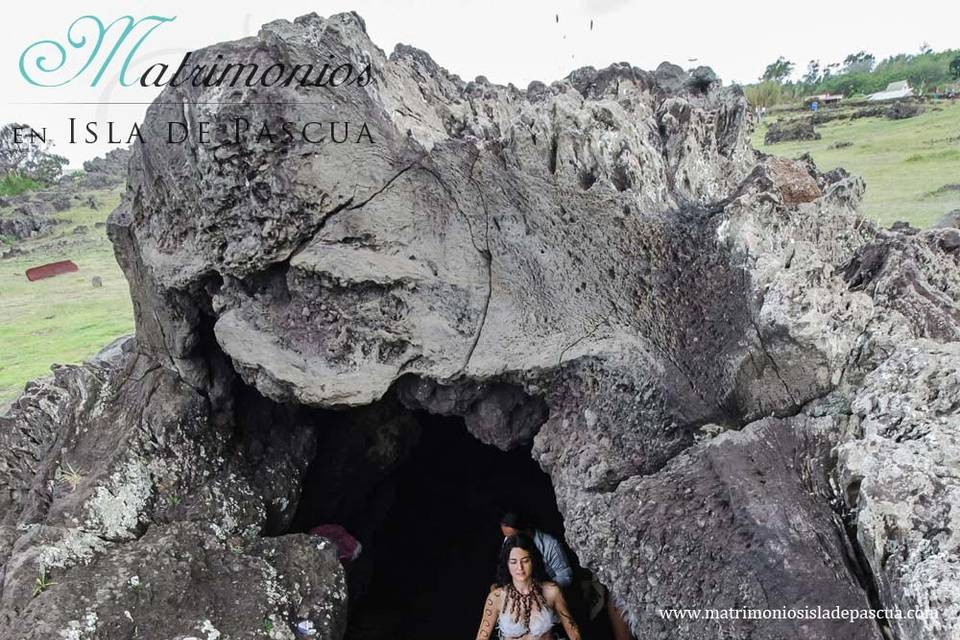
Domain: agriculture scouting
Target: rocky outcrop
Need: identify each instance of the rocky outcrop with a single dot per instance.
(795, 129)
(31, 214)
(949, 219)
(901, 110)
(901, 471)
(119, 460)
(743, 521)
(27, 221)
(602, 265)
(105, 171)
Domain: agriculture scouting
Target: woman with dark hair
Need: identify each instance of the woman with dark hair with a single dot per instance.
(523, 604)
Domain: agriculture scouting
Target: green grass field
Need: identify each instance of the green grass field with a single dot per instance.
(904, 162)
(62, 319)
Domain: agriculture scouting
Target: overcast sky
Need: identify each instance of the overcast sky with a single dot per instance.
(507, 41)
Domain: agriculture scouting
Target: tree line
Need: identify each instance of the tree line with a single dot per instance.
(26, 162)
(858, 74)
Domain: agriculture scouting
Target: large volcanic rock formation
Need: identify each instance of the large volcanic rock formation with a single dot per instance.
(745, 395)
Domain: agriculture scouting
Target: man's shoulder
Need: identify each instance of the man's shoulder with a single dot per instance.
(546, 538)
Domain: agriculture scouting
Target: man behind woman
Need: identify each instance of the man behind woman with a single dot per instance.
(588, 593)
(555, 561)
(524, 605)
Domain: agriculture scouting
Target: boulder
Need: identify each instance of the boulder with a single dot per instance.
(870, 111)
(949, 219)
(901, 110)
(61, 203)
(786, 130)
(144, 469)
(899, 475)
(27, 221)
(738, 522)
(107, 170)
(703, 78)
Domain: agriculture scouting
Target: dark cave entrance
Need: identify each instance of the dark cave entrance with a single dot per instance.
(427, 514)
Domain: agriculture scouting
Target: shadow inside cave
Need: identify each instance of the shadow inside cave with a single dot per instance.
(430, 531)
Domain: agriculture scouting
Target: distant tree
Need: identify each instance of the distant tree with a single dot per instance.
(927, 72)
(25, 155)
(46, 168)
(830, 70)
(955, 68)
(925, 48)
(765, 94)
(812, 76)
(778, 71)
(860, 62)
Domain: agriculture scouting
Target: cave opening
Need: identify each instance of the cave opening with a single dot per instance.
(424, 499)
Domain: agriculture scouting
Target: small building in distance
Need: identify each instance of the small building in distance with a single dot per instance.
(894, 91)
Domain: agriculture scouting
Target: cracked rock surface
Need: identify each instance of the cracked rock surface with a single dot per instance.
(603, 265)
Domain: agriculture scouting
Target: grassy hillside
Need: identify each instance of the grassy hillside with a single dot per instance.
(905, 163)
(62, 319)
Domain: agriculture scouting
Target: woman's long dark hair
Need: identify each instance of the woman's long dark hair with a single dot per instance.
(525, 542)
(519, 605)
